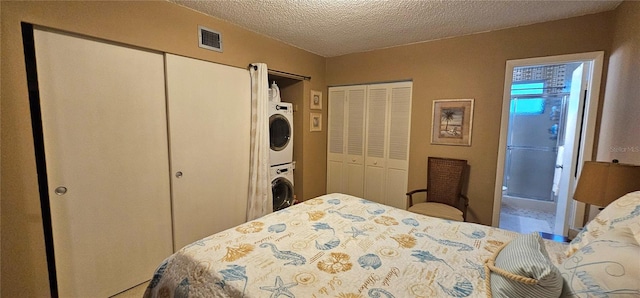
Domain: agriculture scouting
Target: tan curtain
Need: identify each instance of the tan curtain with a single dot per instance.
(260, 196)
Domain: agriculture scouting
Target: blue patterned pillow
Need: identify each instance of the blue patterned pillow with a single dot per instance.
(609, 265)
(532, 274)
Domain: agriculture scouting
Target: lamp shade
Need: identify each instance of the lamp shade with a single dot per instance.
(601, 183)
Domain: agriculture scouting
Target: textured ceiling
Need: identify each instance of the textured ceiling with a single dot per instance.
(337, 27)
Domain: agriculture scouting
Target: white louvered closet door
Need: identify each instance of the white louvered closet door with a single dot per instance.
(387, 143)
(368, 150)
(355, 141)
(345, 156)
(374, 185)
(336, 133)
(397, 161)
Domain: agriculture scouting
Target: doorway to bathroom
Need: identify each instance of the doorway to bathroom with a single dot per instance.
(548, 120)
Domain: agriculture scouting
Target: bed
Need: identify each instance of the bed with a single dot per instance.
(338, 245)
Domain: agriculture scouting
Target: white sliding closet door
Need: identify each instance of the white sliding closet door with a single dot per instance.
(209, 126)
(105, 140)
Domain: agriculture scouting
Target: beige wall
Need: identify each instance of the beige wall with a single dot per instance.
(471, 66)
(620, 129)
(156, 25)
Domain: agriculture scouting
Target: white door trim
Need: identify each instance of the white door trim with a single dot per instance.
(589, 119)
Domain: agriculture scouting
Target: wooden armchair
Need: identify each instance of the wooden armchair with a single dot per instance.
(445, 177)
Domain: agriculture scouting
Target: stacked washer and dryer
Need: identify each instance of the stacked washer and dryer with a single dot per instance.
(281, 151)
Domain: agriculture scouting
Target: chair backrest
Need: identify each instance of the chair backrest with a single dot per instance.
(444, 180)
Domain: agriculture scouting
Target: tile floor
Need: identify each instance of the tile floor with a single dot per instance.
(526, 221)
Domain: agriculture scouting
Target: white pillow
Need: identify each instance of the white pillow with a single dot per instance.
(608, 266)
(623, 212)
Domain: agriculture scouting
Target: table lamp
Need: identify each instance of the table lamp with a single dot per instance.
(601, 183)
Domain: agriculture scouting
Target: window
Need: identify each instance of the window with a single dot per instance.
(527, 88)
(525, 104)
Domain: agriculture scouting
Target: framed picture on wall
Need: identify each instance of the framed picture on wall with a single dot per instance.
(452, 122)
(316, 122)
(316, 100)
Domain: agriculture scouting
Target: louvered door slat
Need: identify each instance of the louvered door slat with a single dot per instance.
(336, 121)
(355, 134)
(376, 120)
(397, 162)
(399, 123)
(375, 143)
(355, 141)
(336, 129)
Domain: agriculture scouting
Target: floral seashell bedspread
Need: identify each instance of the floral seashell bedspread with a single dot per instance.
(336, 246)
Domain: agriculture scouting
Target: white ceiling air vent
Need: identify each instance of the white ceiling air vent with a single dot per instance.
(209, 39)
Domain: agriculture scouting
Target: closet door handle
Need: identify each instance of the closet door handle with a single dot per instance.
(60, 190)
(178, 174)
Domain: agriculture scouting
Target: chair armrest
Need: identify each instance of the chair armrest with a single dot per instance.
(416, 190)
(410, 195)
(466, 200)
(464, 206)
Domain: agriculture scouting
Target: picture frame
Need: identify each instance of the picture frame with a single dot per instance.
(315, 100)
(315, 123)
(452, 122)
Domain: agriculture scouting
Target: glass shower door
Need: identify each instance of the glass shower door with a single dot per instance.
(534, 130)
